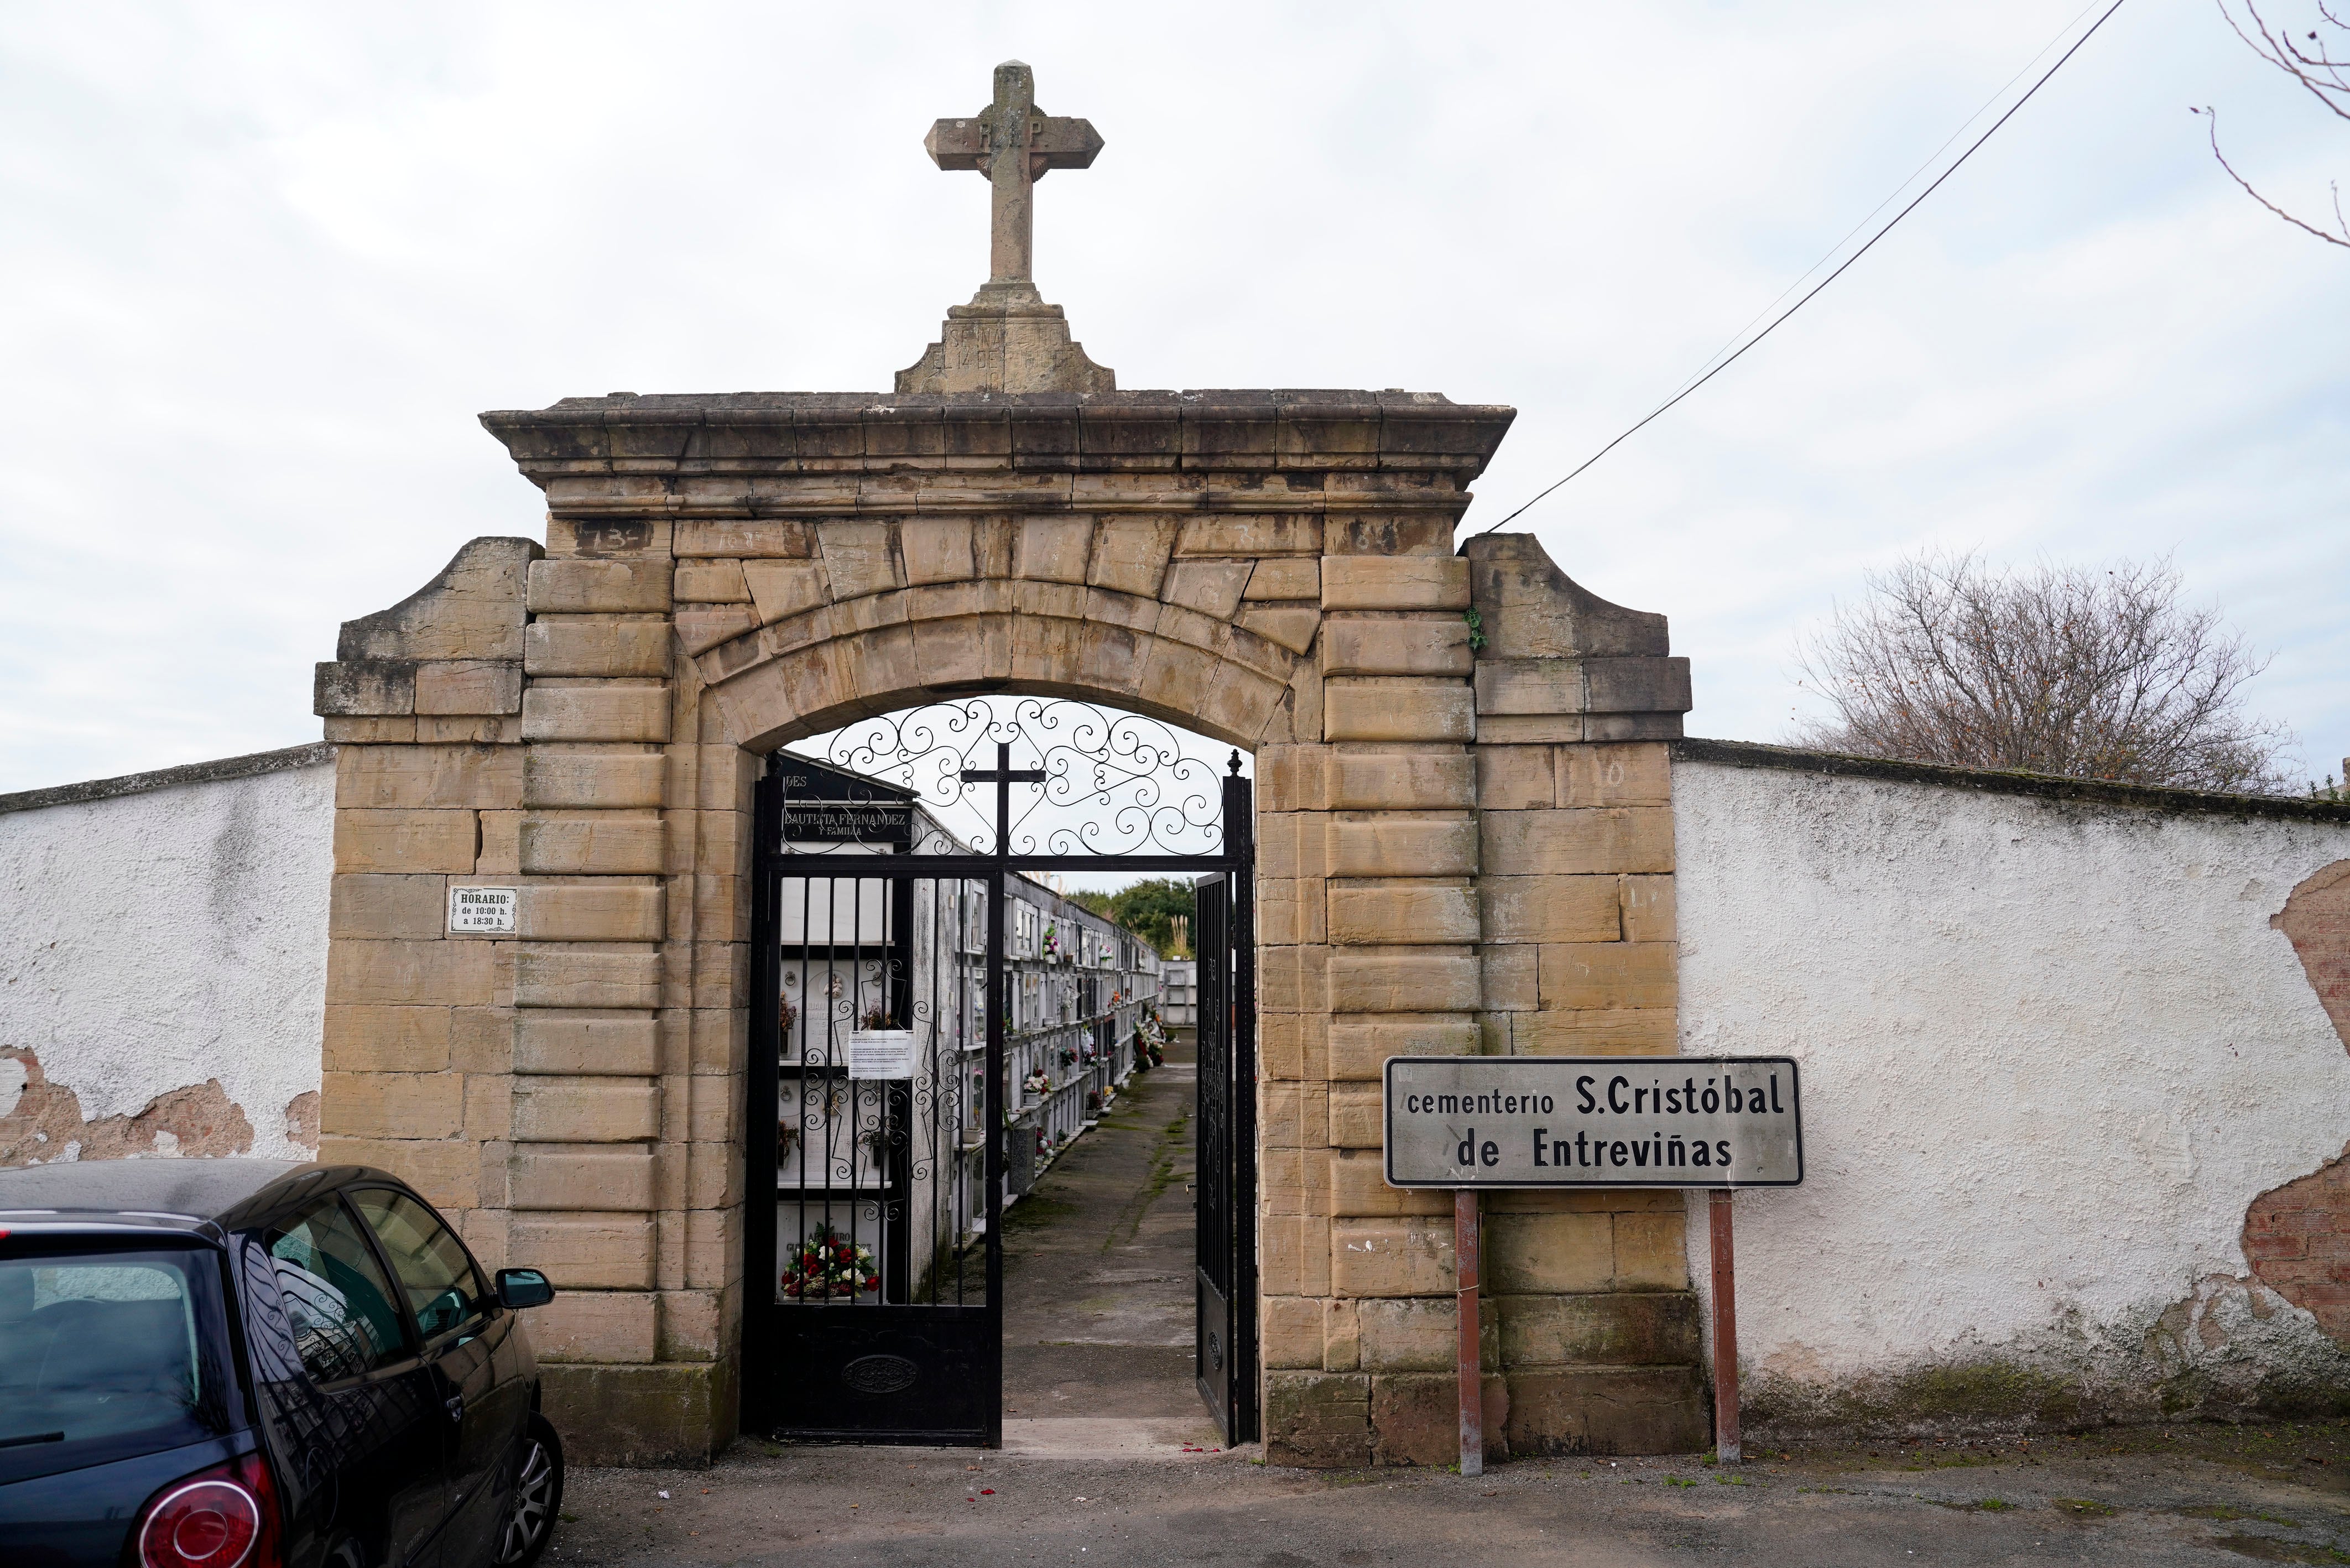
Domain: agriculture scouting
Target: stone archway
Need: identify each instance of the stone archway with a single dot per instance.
(1465, 843)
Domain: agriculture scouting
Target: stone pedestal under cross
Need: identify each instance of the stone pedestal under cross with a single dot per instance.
(1007, 340)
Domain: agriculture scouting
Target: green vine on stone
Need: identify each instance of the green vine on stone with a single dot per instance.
(1476, 630)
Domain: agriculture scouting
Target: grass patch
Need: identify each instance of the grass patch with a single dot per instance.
(1675, 1481)
(2085, 1506)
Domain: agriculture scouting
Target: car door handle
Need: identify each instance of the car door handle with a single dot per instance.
(455, 1405)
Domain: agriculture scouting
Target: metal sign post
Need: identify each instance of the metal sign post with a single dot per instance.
(1472, 1400)
(1515, 1122)
(1725, 1331)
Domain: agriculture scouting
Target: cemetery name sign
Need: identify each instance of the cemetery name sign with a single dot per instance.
(1592, 1121)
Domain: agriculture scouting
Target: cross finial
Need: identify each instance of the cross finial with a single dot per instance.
(1014, 144)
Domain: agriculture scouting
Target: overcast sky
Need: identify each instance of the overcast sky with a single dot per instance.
(263, 264)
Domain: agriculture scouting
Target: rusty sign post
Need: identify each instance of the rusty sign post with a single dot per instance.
(1726, 1448)
(1718, 1123)
(1472, 1405)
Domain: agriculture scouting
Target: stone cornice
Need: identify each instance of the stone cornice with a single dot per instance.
(1416, 438)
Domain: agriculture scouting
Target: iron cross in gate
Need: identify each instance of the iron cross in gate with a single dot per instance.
(1014, 144)
(1004, 776)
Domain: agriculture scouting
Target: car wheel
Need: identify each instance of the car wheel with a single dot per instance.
(537, 1496)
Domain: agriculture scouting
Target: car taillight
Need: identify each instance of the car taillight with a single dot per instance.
(225, 1517)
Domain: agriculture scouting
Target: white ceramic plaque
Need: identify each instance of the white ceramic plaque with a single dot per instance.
(1592, 1121)
(482, 909)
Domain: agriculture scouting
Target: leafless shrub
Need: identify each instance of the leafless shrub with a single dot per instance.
(2085, 672)
(2318, 61)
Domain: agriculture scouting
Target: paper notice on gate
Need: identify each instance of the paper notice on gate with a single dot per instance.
(881, 1054)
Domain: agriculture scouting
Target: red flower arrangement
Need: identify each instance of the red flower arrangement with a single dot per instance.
(826, 1264)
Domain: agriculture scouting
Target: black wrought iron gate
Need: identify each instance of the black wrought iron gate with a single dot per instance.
(1224, 1281)
(886, 875)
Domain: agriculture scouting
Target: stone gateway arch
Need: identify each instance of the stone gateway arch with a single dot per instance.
(1464, 841)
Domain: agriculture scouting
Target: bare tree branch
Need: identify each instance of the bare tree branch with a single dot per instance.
(2086, 673)
(2343, 239)
(2322, 71)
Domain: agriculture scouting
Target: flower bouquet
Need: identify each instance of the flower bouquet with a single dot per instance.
(826, 1265)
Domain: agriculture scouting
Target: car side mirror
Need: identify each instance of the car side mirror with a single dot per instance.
(520, 1288)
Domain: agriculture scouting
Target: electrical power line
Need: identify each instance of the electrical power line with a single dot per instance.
(1725, 363)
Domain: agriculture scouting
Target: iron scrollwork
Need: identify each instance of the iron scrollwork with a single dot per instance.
(1115, 783)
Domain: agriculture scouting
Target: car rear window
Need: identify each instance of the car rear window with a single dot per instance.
(106, 1353)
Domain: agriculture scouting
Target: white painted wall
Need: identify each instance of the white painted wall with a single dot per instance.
(2051, 1051)
(158, 939)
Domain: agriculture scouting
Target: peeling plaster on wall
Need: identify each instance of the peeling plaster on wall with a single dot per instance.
(162, 970)
(2298, 1236)
(2051, 1051)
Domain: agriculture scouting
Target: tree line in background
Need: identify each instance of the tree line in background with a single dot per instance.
(2083, 672)
(1151, 909)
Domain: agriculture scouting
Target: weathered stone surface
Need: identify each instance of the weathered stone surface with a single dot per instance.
(1395, 644)
(1530, 610)
(579, 587)
(404, 974)
(616, 1326)
(1593, 1326)
(586, 1252)
(1553, 908)
(555, 1042)
(442, 777)
(1359, 1045)
(558, 1177)
(1318, 1419)
(596, 645)
(469, 686)
(1416, 1418)
(1393, 844)
(1286, 578)
(592, 843)
(1358, 708)
(642, 1415)
(1403, 980)
(600, 712)
(1633, 774)
(587, 777)
(373, 688)
(471, 610)
(585, 1110)
(1379, 582)
(1400, 910)
(1610, 975)
(1549, 1252)
(1580, 840)
(1606, 1410)
(784, 589)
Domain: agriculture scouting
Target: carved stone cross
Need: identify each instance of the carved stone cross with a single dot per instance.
(1014, 144)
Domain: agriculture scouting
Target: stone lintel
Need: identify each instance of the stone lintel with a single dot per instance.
(789, 433)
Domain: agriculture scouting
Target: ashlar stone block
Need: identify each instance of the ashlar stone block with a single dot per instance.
(1359, 708)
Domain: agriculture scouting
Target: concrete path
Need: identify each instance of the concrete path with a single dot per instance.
(1098, 1267)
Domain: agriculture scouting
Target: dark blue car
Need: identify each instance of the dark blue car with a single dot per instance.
(256, 1363)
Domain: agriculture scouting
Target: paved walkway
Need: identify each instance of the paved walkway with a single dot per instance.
(1097, 1268)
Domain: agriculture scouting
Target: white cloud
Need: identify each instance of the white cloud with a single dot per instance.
(263, 265)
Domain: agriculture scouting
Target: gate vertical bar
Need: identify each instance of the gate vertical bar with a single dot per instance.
(993, 1110)
(1240, 840)
(764, 1088)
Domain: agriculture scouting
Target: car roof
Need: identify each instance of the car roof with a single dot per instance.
(199, 1188)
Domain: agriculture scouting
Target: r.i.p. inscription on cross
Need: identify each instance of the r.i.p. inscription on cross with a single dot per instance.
(1014, 144)
(1007, 340)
